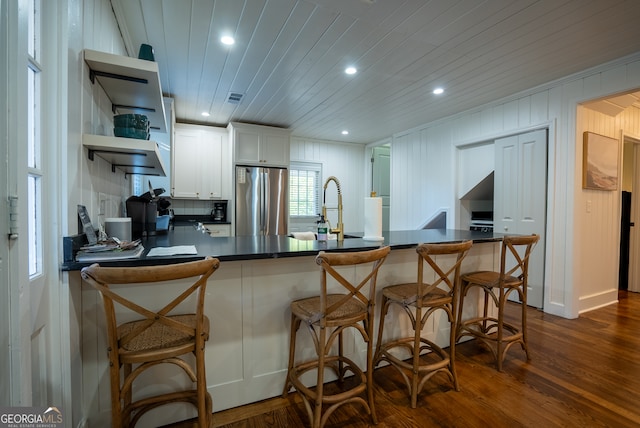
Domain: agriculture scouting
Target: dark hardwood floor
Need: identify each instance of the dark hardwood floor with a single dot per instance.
(583, 372)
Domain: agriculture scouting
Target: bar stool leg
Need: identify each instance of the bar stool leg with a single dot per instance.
(295, 325)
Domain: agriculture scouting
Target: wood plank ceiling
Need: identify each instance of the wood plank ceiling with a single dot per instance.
(289, 58)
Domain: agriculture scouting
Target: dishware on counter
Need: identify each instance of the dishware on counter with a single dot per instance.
(162, 223)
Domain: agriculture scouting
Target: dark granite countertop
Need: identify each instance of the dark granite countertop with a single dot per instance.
(266, 247)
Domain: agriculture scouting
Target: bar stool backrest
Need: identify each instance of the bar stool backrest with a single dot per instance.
(427, 253)
(329, 261)
(514, 261)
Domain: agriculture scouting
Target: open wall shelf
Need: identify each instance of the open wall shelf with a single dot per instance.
(130, 155)
(132, 85)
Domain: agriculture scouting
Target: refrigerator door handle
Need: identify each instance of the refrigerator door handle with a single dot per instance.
(263, 201)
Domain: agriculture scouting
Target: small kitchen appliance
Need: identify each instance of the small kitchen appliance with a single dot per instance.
(481, 221)
(143, 211)
(219, 212)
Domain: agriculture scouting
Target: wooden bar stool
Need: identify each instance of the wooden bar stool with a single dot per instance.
(326, 317)
(159, 337)
(496, 287)
(419, 300)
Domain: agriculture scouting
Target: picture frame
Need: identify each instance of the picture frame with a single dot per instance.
(600, 162)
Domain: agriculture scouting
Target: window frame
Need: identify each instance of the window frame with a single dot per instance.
(35, 168)
(316, 168)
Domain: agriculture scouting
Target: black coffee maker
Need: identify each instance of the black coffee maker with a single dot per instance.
(143, 211)
(219, 211)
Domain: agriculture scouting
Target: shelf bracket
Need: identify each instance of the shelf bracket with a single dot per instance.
(91, 156)
(95, 73)
(113, 166)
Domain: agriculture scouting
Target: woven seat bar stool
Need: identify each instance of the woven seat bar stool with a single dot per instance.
(326, 317)
(419, 301)
(156, 336)
(489, 328)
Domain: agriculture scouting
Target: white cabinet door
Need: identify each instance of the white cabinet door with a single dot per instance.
(275, 148)
(260, 145)
(186, 165)
(247, 146)
(211, 160)
(520, 184)
(218, 230)
(201, 163)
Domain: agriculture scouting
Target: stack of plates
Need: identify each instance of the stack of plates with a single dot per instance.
(131, 126)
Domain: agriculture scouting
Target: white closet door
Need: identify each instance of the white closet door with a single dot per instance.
(520, 197)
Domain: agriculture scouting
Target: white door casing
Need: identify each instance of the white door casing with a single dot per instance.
(5, 286)
(31, 368)
(381, 179)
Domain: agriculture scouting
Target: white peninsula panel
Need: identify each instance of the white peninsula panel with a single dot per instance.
(248, 306)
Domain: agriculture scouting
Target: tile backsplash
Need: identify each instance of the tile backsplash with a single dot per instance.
(191, 207)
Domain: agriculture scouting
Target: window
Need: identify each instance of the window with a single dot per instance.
(304, 189)
(34, 143)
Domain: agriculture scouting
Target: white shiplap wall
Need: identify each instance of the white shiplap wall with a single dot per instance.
(424, 176)
(597, 243)
(92, 25)
(347, 163)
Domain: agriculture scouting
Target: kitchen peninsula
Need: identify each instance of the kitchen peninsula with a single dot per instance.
(247, 303)
(268, 247)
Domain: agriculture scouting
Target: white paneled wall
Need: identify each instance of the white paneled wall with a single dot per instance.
(424, 178)
(598, 215)
(347, 163)
(92, 25)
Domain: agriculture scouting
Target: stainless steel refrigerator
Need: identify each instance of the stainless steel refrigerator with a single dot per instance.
(262, 201)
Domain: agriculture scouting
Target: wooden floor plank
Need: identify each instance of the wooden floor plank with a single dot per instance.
(583, 372)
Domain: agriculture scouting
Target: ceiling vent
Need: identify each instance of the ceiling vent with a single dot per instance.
(234, 98)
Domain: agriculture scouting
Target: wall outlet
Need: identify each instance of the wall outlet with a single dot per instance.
(102, 204)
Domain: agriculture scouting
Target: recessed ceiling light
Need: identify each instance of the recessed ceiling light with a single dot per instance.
(350, 70)
(227, 40)
(345, 132)
(205, 113)
(438, 91)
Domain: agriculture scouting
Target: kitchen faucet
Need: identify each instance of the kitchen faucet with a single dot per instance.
(340, 227)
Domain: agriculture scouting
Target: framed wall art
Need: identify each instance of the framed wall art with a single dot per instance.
(600, 162)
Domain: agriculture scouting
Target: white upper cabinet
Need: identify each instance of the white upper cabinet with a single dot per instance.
(201, 163)
(260, 145)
